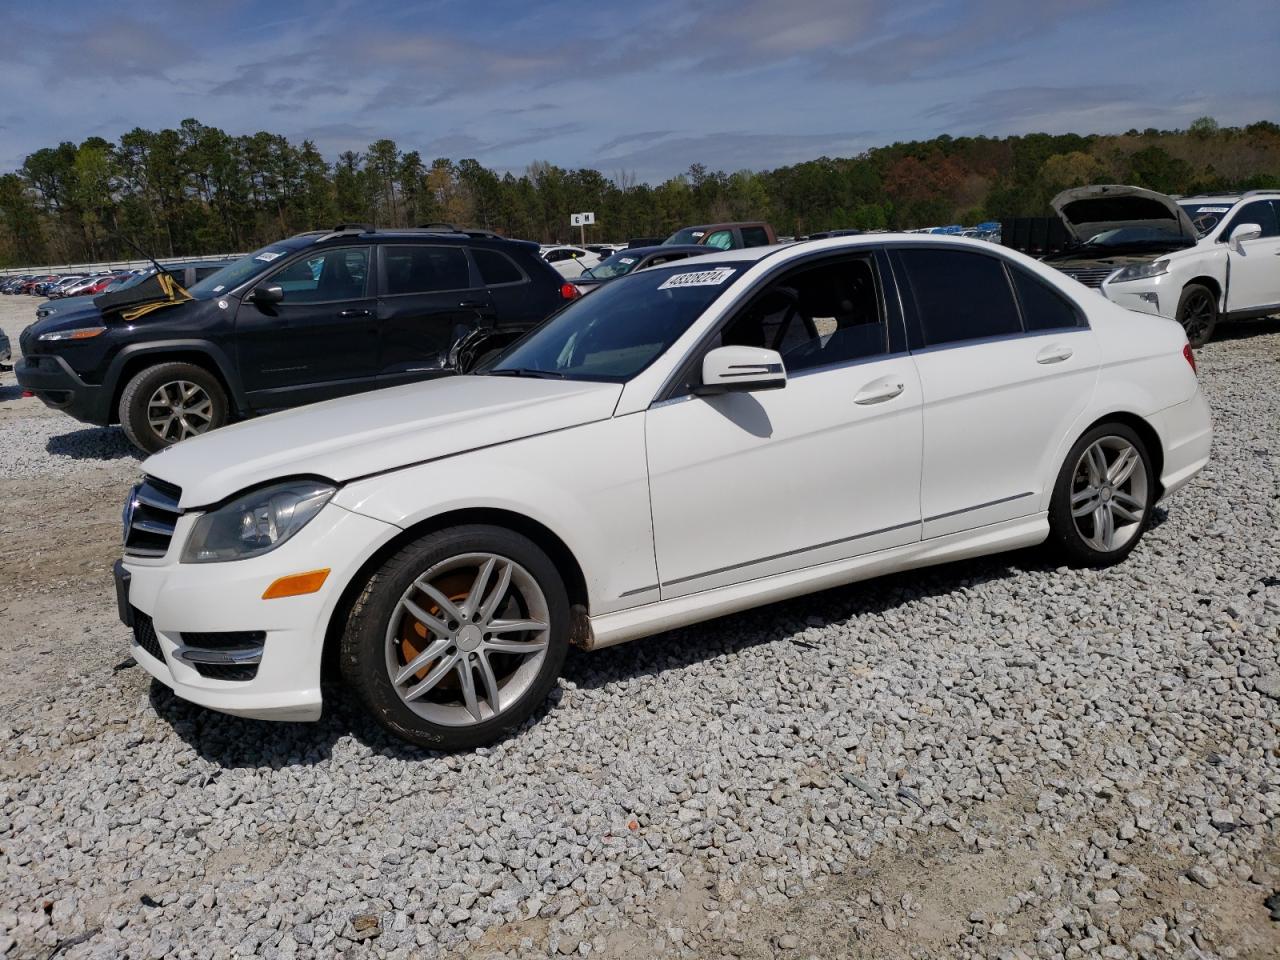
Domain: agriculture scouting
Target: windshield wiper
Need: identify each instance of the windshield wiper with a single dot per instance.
(526, 372)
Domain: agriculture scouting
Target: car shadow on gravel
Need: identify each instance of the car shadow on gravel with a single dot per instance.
(10, 392)
(1244, 329)
(234, 742)
(93, 443)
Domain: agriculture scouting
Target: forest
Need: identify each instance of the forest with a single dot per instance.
(197, 189)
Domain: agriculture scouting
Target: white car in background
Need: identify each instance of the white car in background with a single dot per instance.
(1197, 260)
(691, 440)
(569, 261)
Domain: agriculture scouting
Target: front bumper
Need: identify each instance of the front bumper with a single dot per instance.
(52, 380)
(187, 598)
(1157, 296)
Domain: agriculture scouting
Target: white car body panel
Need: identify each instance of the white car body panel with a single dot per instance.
(723, 470)
(675, 511)
(377, 431)
(1254, 274)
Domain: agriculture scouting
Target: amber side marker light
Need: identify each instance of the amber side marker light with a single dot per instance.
(296, 584)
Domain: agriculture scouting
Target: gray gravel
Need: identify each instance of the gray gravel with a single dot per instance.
(995, 758)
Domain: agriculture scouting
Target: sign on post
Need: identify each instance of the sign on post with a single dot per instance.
(582, 221)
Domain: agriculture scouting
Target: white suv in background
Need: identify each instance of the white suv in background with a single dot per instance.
(1196, 260)
(569, 261)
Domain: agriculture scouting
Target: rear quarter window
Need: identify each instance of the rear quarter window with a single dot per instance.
(1043, 308)
(496, 268)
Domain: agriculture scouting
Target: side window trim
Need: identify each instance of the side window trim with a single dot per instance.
(369, 286)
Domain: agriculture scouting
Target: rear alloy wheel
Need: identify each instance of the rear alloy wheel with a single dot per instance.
(459, 637)
(1103, 496)
(1198, 313)
(169, 403)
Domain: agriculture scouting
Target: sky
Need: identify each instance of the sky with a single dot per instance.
(642, 88)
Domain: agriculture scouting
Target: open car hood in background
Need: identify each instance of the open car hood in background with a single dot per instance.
(1089, 211)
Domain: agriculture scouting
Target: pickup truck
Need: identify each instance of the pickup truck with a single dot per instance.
(1198, 260)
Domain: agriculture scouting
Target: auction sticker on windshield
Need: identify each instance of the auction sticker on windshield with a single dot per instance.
(268, 255)
(699, 278)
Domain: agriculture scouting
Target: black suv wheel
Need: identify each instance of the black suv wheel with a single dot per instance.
(170, 402)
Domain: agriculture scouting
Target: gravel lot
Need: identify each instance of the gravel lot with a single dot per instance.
(995, 758)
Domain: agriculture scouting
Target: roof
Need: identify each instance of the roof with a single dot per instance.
(753, 254)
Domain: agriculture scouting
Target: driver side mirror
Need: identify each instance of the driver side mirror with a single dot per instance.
(1244, 231)
(265, 296)
(741, 369)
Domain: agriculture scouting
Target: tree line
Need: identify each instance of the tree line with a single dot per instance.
(198, 189)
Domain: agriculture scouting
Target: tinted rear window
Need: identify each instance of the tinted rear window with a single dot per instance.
(959, 295)
(423, 269)
(755, 237)
(1043, 308)
(496, 268)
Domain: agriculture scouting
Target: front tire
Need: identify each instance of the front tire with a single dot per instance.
(1198, 313)
(171, 402)
(458, 638)
(1103, 497)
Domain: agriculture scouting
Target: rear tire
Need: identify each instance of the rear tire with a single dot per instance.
(1103, 497)
(1198, 313)
(170, 402)
(434, 641)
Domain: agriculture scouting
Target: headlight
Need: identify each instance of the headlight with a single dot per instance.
(77, 333)
(256, 522)
(1140, 271)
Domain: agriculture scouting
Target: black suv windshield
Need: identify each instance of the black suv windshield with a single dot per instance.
(234, 274)
(619, 330)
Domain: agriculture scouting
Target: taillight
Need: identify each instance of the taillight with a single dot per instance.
(569, 292)
(1190, 357)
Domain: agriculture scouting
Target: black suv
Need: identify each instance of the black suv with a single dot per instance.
(316, 316)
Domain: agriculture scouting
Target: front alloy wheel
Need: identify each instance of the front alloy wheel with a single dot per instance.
(458, 637)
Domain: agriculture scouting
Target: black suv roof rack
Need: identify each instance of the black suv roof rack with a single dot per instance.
(451, 228)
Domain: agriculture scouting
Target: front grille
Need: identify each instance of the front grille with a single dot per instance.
(150, 517)
(233, 655)
(144, 634)
(1089, 276)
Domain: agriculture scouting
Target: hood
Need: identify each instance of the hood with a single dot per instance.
(378, 431)
(67, 305)
(1089, 211)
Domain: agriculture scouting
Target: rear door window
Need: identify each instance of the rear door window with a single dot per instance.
(958, 295)
(425, 269)
(755, 237)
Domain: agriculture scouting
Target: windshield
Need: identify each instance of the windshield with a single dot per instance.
(687, 235)
(618, 265)
(234, 274)
(1130, 236)
(1206, 215)
(618, 331)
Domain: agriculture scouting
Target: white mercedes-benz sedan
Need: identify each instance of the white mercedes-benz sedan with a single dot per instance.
(688, 441)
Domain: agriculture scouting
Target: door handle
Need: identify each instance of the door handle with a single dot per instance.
(1054, 354)
(349, 314)
(878, 393)
(472, 304)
